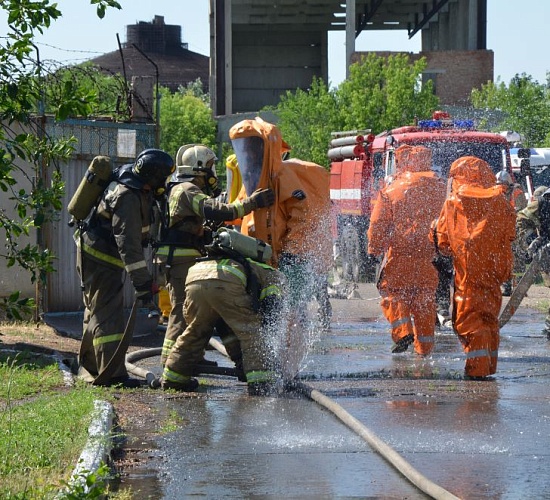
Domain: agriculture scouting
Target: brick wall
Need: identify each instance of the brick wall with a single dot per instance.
(456, 72)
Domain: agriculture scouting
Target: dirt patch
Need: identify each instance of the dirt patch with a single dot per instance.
(537, 298)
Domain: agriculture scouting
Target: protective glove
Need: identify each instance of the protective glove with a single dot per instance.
(375, 259)
(535, 246)
(262, 198)
(145, 293)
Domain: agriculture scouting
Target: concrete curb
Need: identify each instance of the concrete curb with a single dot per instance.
(98, 446)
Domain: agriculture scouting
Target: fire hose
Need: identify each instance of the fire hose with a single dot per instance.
(388, 453)
(153, 381)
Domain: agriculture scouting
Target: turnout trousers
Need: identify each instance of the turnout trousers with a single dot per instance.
(410, 310)
(175, 285)
(475, 319)
(103, 324)
(207, 301)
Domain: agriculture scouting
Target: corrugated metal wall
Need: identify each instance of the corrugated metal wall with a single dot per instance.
(120, 141)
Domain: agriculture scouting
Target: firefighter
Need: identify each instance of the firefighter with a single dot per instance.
(477, 226)
(245, 295)
(111, 242)
(298, 225)
(191, 201)
(399, 227)
(515, 195)
(533, 231)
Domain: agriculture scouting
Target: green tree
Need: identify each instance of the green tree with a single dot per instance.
(93, 93)
(524, 105)
(380, 93)
(23, 139)
(185, 119)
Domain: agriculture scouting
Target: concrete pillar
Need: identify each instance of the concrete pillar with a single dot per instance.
(324, 56)
(212, 83)
(456, 27)
(443, 35)
(350, 32)
(228, 58)
(472, 43)
(430, 37)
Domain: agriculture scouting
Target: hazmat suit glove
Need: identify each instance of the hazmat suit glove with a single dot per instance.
(262, 198)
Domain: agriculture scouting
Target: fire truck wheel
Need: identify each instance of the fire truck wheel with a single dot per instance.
(350, 253)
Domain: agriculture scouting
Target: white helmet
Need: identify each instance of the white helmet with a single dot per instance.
(193, 160)
(196, 158)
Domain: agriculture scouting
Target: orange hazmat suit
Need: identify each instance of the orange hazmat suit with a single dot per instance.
(476, 226)
(299, 222)
(399, 228)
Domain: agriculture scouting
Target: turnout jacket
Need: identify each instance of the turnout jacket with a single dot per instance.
(226, 269)
(188, 208)
(119, 230)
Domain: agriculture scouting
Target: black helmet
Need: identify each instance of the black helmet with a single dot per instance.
(153, 167)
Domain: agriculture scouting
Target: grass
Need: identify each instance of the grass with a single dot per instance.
(172, 423)
(18, 373)
(43, 424)
(543, 306)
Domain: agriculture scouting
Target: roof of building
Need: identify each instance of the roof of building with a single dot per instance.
(158, 43)
(177, 68)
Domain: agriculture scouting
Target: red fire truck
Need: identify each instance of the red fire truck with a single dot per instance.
(361, 163)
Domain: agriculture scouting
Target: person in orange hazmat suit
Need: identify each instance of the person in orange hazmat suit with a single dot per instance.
(399, 227)
(297, 225)
(477, 226)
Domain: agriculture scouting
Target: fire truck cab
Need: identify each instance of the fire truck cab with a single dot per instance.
(362, 163)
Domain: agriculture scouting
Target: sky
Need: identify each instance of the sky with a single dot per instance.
(79, 35)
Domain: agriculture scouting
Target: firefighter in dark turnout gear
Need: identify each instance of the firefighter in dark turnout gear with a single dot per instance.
(192, 192)
(533, 232)
(246, 295)
(111, 242)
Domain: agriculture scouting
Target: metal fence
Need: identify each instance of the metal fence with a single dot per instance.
(121, 142)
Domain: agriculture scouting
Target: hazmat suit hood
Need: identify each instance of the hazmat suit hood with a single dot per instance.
(258, 146)
(302, 193)
(473, 171)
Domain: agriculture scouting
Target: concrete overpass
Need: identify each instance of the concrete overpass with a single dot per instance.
(262, 48)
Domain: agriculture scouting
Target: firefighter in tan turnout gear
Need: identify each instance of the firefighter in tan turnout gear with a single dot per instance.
(191, 201)
(110, 243)
(242, 292)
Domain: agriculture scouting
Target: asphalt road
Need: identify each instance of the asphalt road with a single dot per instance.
(475, 439)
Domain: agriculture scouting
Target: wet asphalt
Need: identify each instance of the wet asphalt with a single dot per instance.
(488, 439)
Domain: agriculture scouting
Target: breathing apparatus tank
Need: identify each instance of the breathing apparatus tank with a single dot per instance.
(244, 245)
(92, 185)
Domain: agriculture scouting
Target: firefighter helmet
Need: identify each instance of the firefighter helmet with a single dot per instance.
(153, 166)
(196, 160)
